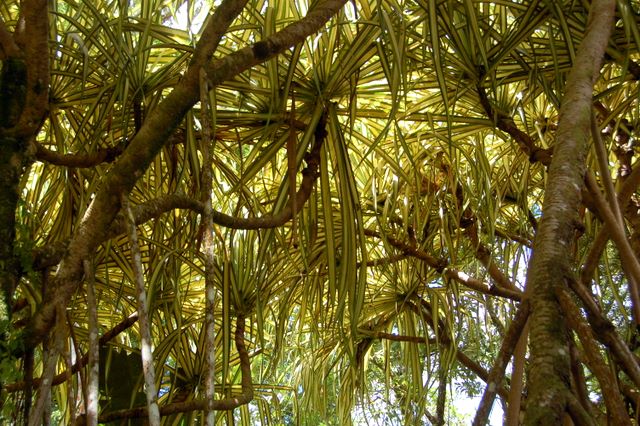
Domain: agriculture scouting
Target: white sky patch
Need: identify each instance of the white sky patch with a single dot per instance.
(182, 21)
(468, 407)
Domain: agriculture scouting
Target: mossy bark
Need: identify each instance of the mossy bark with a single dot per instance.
(549, 385)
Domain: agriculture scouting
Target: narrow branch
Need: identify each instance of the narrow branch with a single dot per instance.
(440, 265)
(483, 254)
(397, 337)
(309, 176)
(525, 241)
(146, 353)
(88, 159)
(578, 414)
(8, 46)
(443, 338)
(505, 123)
(225, 404)
(514, 402)
(629, 260)
(49, 369)
(496, 375)
(603, 165)
(154, 208)
(606, 333)
(629, 187)
(597, 365)
(93, 391)
(482, 373)
(208, 250)
(579, 381)
(385, 260)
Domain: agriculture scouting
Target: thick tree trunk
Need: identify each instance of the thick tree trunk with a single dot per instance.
(24, 97)
(13, 88)
(549, 382)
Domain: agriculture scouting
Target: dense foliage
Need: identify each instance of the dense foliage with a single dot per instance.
(341, 213)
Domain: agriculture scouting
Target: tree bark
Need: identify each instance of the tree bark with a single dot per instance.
(549, 382)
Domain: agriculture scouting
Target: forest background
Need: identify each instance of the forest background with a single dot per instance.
(319, 212)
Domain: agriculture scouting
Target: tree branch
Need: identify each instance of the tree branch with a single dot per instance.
(397, 337)
(505, 123)
(84, 159)
(603, 373)
(8, 46)
(496, 375)
(629, 186)
(629, 261)
(444, 339)
(550, 262)
(440, 265)
(606, 333)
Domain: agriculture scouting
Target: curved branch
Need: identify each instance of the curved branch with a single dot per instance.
(440, 265)
(8, 46)
(309, 176)
(606, 333)
(424, 310)
(52, 254)
(507, 125)
(608, 383)
(496, 375)
(85, 159)
(154, 208)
